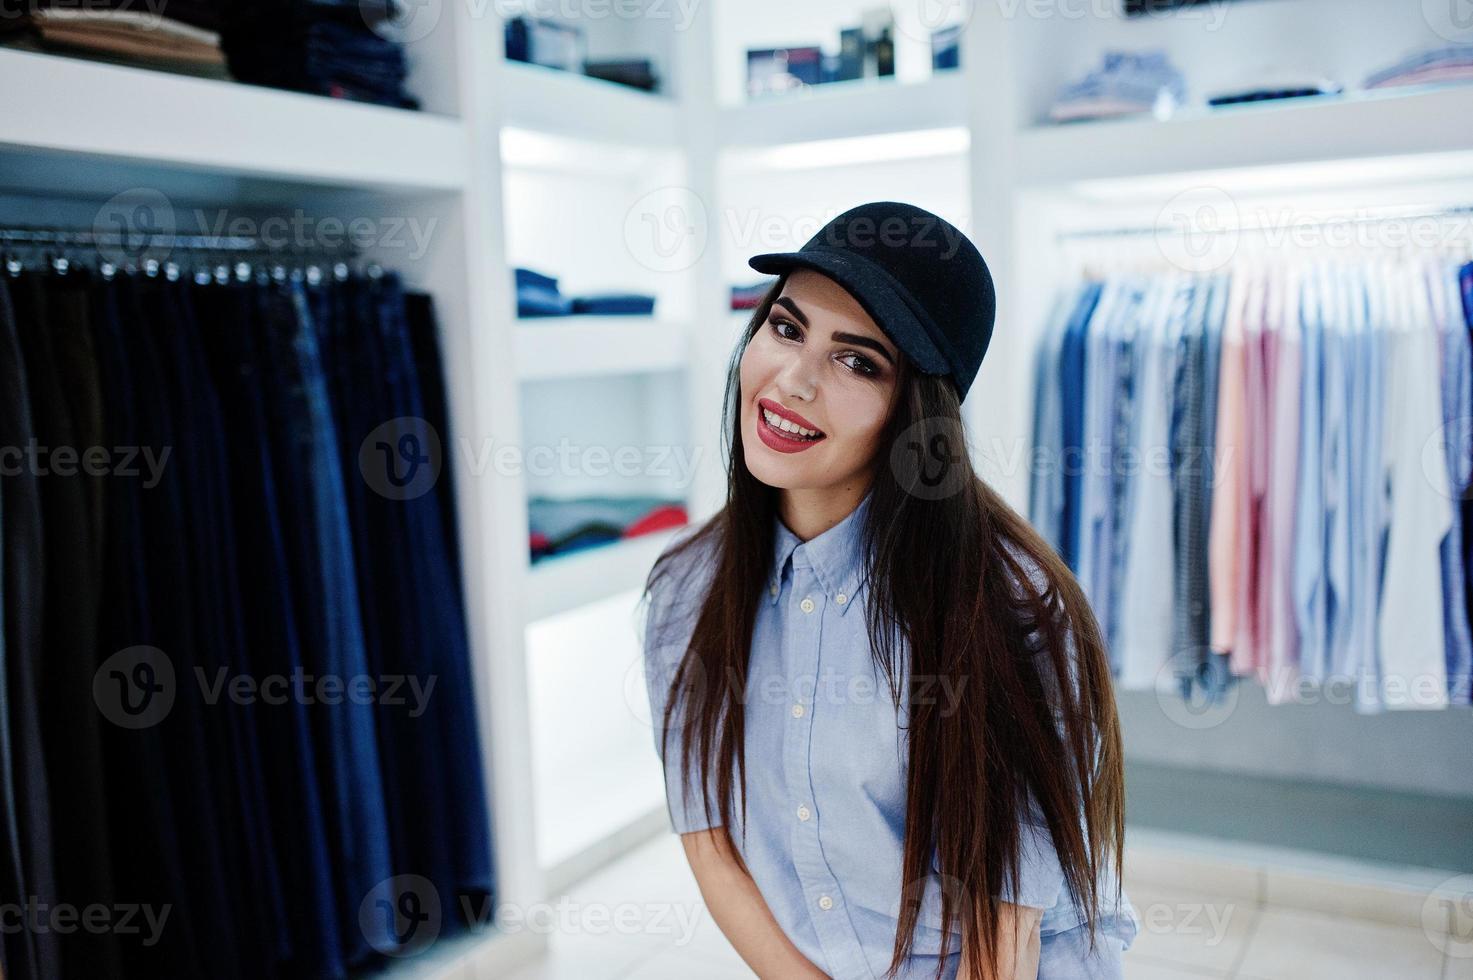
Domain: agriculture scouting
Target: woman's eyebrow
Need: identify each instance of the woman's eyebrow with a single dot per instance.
(858, 341)
(787, 302)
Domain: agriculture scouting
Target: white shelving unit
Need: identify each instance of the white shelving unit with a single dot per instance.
(509, 157)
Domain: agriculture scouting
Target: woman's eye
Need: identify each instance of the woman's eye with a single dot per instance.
(861, 364)
(779, 325)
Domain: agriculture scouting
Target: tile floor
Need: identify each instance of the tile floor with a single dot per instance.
(642, 918)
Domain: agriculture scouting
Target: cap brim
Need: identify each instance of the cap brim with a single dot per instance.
(874, 288)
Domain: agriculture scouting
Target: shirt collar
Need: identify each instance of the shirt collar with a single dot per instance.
(835, 556)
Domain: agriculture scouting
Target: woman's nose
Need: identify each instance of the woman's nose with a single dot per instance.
(798, 378)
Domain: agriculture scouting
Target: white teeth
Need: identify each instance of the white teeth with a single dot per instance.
(778, 422)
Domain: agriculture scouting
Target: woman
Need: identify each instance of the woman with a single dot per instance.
(931, 787)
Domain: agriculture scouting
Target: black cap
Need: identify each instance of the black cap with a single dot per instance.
(922, 280)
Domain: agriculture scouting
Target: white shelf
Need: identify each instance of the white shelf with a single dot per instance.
(1363, 126)
(79, 111)
(565, 103)
(562, 582)
(587, 346)
(837, 110)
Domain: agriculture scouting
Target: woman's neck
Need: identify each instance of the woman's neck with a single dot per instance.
(810, 512)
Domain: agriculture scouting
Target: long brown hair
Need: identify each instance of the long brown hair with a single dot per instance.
(1032, 735)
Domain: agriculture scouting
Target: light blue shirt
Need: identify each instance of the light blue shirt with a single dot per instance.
(826, 768)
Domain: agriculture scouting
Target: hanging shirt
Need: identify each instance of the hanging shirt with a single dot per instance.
(1457, 409)
(1419, 504)
(826, 764)
(1284, 343)
(1230, 465)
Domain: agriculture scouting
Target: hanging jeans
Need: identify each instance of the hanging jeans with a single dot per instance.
(27, 953)
(320, 551)
(308, 942)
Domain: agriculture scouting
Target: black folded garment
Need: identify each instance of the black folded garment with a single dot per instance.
(636, 73)
(321, 46)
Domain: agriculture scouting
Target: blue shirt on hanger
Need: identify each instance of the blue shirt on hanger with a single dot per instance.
(826, 772)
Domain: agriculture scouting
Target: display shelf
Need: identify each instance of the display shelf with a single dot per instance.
(561, 582)
(585, 346)
(565, 103)
(864, 107)
(1363, 126)
(82, 113)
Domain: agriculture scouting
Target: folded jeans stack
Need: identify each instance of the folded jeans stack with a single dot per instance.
(538, 295)
(1126, 83)
(325, 47)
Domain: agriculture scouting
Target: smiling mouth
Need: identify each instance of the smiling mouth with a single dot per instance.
(788, 430)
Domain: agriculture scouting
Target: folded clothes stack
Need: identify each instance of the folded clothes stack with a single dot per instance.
(185, 40)
(322, 46)
(1126, 83)
(1453, 63)
(538, 295)
(635, 72)
(749, 297)
(1271, 85)
(560, 525)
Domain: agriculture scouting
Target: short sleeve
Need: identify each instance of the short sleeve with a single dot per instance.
(673, 608)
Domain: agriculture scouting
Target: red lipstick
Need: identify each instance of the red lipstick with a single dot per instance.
(780, 439)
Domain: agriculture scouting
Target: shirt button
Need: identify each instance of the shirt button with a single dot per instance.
(772, 588)
(841, 598)
(797, 711)
(825, 903)
(803, 813)
(806, 605)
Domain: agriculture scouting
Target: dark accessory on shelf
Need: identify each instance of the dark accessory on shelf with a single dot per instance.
(919, 276)
(634, 72)
(545, 42)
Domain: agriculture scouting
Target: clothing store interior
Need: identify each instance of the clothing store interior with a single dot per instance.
(359, 358)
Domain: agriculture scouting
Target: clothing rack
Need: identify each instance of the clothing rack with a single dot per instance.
(1126, 232)
(291, 260)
